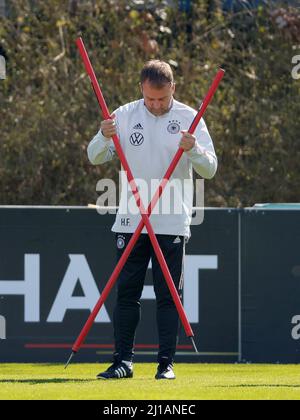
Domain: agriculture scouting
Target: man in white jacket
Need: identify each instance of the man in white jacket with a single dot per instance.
(150, 131)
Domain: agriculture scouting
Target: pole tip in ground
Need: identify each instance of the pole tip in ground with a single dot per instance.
(69, 360)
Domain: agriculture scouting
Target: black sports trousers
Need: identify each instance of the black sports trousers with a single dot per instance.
(130, 286)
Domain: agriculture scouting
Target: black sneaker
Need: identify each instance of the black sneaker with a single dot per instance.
(117, 370)
(165, 371)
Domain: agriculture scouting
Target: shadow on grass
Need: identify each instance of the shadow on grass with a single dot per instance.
(256, 386)
(44, 381)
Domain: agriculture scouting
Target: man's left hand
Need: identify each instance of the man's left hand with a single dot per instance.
(187, 141)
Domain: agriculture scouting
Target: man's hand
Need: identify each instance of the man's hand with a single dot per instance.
(187, 141)
(108, 127)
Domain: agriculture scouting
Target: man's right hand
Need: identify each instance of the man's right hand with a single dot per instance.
(108, 127)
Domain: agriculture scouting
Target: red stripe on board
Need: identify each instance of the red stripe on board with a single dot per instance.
(97, 346)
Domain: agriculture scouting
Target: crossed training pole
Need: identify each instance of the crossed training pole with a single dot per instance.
(144, 213)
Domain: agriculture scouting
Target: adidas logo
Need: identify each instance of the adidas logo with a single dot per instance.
(138, 127)
(121, 372)
(177, 240)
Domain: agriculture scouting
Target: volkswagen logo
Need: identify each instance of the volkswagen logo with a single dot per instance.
(136, 139)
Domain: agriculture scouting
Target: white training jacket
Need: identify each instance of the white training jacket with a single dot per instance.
(149, 144)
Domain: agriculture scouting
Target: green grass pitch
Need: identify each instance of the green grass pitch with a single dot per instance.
(194, 382)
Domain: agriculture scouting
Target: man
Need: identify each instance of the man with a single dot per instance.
(150, 131)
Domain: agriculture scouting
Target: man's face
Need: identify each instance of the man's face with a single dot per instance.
(157, 100)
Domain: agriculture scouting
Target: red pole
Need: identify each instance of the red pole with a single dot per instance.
(133, 185)
(145, 215)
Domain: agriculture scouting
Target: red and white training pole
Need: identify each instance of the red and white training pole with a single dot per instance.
(145, 215)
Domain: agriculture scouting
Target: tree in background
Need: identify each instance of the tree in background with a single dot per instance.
(49, 112)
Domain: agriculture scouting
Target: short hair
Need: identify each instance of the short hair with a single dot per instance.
(157, 72)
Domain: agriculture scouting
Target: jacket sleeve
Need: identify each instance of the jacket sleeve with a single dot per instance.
(202, 155)
(100, 149)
